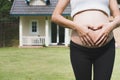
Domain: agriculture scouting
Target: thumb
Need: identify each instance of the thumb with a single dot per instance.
(99, 26)
(90, 27)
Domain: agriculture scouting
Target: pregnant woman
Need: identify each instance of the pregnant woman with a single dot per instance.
(92, 42)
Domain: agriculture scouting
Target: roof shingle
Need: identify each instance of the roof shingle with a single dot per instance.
(20, 8)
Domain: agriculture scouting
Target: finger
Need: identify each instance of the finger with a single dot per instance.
(100, 26)
(86, 41)
(90, 40)
(90, 27)
(101, 39)
(98, 38)
(82, 40)
(103, 42)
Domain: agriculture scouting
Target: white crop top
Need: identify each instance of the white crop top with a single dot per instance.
(81, 5)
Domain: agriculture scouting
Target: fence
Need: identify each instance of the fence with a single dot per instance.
(9, 31)
(33, 40)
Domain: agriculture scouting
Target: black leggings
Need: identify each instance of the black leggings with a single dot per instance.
(102, 60)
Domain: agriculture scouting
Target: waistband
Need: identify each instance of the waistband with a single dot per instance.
(110, 43)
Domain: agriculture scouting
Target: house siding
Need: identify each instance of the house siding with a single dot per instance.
(26, 23)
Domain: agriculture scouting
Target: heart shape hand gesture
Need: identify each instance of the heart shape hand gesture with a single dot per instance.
(94, 35)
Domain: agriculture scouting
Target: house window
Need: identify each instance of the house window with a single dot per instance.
(37, 2)
(34, 27)
(47, 2)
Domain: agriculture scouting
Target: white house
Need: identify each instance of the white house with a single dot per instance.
(35, 26)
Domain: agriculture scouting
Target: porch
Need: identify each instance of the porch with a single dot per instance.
(40, 31)
(33, 40)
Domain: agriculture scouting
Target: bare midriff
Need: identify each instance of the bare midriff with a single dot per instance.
(90, 17)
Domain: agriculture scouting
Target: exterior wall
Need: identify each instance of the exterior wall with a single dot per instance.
(26, 37)
(26, 25)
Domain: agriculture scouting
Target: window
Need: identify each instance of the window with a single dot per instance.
(37, 2)
(34, 27)
(47, 2)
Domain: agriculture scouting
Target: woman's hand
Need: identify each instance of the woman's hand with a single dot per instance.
(84, 36)
(103, 35)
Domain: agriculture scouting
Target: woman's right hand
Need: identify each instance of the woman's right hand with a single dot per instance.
(83, 32)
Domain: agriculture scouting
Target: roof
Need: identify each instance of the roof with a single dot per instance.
(20, 8)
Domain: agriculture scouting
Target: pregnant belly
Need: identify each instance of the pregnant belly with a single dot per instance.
(93, 18)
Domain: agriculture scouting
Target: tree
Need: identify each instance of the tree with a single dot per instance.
(118, 1)
(8, 24)
(5, 6)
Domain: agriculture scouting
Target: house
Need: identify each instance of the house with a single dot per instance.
(35, 26)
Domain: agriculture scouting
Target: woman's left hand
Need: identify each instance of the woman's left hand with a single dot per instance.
(102, 37)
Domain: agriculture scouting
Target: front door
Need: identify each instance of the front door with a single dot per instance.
(57, 34)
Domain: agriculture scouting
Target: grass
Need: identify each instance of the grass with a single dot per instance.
(116, 70)
(40, 64)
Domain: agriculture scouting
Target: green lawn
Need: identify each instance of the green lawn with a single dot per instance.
(40, 64)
